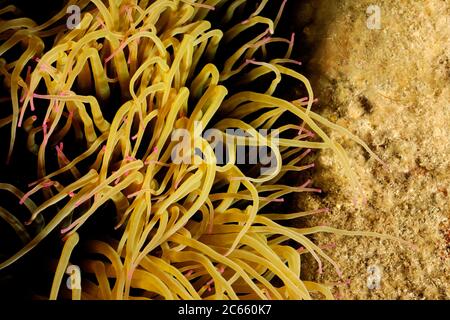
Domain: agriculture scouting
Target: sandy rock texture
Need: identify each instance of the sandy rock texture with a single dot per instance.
(391, 87)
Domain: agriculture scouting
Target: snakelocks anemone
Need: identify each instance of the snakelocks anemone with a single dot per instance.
(113, 100)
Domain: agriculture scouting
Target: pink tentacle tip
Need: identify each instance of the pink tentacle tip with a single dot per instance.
(307, 183)
(24, 94)
(155, 150)
(44, 126)
(132, 195)
(279, 200)
(71, 194)
(32, 103)
(204, 6)
(266, 40)
(48, 184)
(320, 269)
(59, 148)
(66, 229)
(189, 273)
(120, 48)
(249, 61)
(312, 165)
(300, 249)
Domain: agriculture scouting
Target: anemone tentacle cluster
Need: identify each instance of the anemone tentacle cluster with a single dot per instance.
(98, 104)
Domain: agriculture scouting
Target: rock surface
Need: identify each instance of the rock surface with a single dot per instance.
(389, 86)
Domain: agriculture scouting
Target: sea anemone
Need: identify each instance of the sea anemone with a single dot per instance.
(112, 113)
